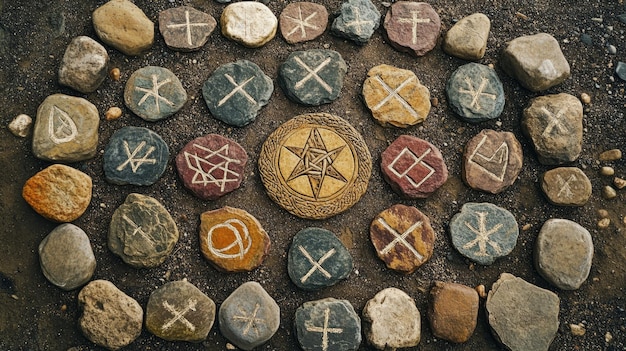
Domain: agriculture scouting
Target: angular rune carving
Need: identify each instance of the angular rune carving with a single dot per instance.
(61, 126)
(134, 162)
(477, 94)
(482, 235)
(416, 161)
(209, 166)
(495, 165)
(154, 93)
(301, 24)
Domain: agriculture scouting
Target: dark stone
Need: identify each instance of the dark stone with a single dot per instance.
(154, 93)
(475, 93)
(185, 28)
(357, 21)
(586, 39)
(620, 70)
(328, 324)
(412, 27)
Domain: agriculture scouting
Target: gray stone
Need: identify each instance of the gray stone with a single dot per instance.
(467, 39)
(357, 21)
(154, 93)
(249, 23)
(412, 26)
(124, 26)
(566, 186)
(185, 28)
(586, 39)
(620, 70)
(391, 320)
(622, 18)
(328, 324)
(85, 65)
(475, 93)
(21, 125)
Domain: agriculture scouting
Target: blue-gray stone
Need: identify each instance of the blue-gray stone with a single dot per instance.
(236, 91)
(154, 93)
(317, 259)
(620, 70)
(586, 39)
(475, 93)
(483, 232)
(622, 18)
(328, 324)
(357, 21)
(135, 155)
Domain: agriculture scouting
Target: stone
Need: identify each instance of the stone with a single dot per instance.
(475, 93)
(249, 23)
(453, 311)
(124, 26)
(608, 192)
(619, 183)
(211, 166)
(66, 257)
(113, 113)
(315, 165)
(522, 316)
(467, 39)
(232, 240)
(403, 238)
(142, 232)
(317, 259)
(328, 324)
(154, 93)
(302, 21)
(59, 193)
(554, 124)
(563, 253)
(236, 91)
(611, 155)
(249, 317)
(179, 311)
(412, 27)
(21, 125)
(115, 74)
(391, 320)
(413, 167)
(313, 77)
(585, 98)
(395, 96)
(536, 61)
(483, 232)
(185, 28)
(84, 65)
(566, 186)
(66, 129)
(607, 171)
(109, 317)
(357, 21)
(620, 70)
(135, 155)
(492, 161)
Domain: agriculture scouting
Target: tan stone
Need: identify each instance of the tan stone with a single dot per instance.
(619, 183)
(467, 39)
(249, 23)
(124, 26)
(453, 311)
(611, 155)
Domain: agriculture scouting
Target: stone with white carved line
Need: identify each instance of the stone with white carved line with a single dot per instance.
(302, 21)
(475, 93)
(412, 27)
(328, 324)
(154, 93)
(185, 28)
(357, 21)
(249, 23)
(566, 186)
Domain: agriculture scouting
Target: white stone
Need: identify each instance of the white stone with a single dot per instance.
(249, 23)
(20, 125)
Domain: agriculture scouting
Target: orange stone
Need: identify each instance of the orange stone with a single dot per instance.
(453, 311)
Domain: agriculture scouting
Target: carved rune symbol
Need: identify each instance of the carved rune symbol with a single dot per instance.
(301, 24)
(179, 316)
(187, 25)
(242, 240)
(416, 161)
(135, 163)
(566, 190)
(238, 88)
(495, 165)
(209, 166)
(154, 92)
(316, 265)
(477, 94)
(357, 23)
(250, 319)
(556, 122)
(414, 21)
(393, 94)
(137, 230)
(325, 330)
(400, 238)
(61, 126)
(313, 74)
(482, 235)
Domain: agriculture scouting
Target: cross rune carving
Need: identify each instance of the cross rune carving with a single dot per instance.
(477, 94)
(482, 235)
(325, 330)
(154, 93)
(414, 21)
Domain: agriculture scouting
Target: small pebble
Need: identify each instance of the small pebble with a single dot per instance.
(20, 125)
(480, 289)
(608, 192)
(619, 183)
(577, 329)
(607, 171)
(115, 74)
(113, 113)
(602, 213)
(230, 346)
(527, 226)
(585, 98)
(612, 50)
(586, 39)
(608, 337)
(611, 155)
(434, 102)
(604, 223)
(521, 16)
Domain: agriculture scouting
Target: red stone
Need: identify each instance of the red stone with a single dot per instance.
(412, 26)
(303, 21)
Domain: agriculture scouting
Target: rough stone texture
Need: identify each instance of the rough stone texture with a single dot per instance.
(413, 167)
(611, 155)
(522, 316)
(328, 324)
(563, 253)
(357, 21)
(84, 65)
(21, 125)
(453, 311)
(249, 23)
(566, 186)
(554, 123)
(185, 28)
(620, 70)
(492, 160)
(249, 316)
(66, 129)
(467, 39)
(302, 21)
(536, 61)
(475, 93)
(233, 240)
(391, 320)
(179, 311)
(66, 257)
(142, 232)
(412, 27)
(402, 237)
(211, 166)
(59, 193)
(124, 26)
(109, 318)
(395, 96)
(154, 93)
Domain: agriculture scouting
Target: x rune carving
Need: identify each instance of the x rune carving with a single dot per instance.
(179, 316)
(316, 265)
(154, 93)
(301, 24)
(555, 122)
(238, 88)
(400, 238)
(393, 94)
(477, 94)
(566, 190)
(135, 163)
(313, 74)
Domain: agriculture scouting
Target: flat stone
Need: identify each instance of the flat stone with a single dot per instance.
(59, 193)
(475, 93)
(135, 155)
(302, 21)
(523, 317)
(185, 28)
(124, 26)
(66, 257)
(236, 91)
(233, 240)
(402, 237)
(179, 311)
(413, 167)
(21, 125)
(313, 77)
(536, 61)
(357, 21)
(484, 232)
(395, 96)
(492, 160)
(293, 155)
(566, 186)
(109, 317)
(563, 253)
(66, 129)
(249, 317)
(328, 324)
(611, 155)
(467, 39)
(154, 93)
(317, 259)
(620, 70)
(554, 123)
(142, 232)
(412, 27)
(249, 23)
(453, 311)
(211, 166)
(84, 65)
(391, 320)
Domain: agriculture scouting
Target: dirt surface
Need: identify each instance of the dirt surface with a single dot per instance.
(35, 315)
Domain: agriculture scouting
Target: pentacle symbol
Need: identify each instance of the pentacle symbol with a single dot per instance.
(301, 24)
(316, 265)
(555, 122)
(494, 165)
(154, 93)
(209, 166)
(400, 238)
(134, 162)
(324, 330)
(187, 25)
(357, 23)
(482, 235)
(477, 94)
(241, 239)
(416, 161)
(61, 126)
(250, 320)
(179, 316)
(414, 20)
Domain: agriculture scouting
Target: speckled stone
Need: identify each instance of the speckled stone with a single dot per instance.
(467, 39)
(185, 28)
(154, 93)
(84, 65)
(328, 324)
(302, 21)
(357, 21)
(475, 93)
(453, 311)
(249, 23)
(21, 125)
(124, 26)
(566, 186)
(412, 27)
(610, 155)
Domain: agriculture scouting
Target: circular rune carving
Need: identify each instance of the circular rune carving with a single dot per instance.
(315, 165)
(241, 239)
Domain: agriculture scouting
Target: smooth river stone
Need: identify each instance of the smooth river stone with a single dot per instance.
(566, 186)
(84, 65)
(249, 23)
(124, 26)
(412, 27)
(302, 21)
(328, 324)
(154, 93)
(357, 21)
(453, 311)
(185, 28)
(475, 93)
(467, 39)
